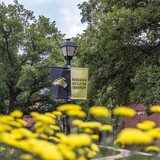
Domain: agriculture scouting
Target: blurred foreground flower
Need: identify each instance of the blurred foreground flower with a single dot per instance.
(146, 125)
(99, 111)
(155, 109)
(152, 148)
(67, 107)
(124, 111)
(134, 136)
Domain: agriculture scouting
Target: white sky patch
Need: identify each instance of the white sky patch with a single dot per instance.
(64, 12)
(71, 22)
(29, 1)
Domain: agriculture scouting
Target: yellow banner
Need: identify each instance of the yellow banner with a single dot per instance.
(79, 83)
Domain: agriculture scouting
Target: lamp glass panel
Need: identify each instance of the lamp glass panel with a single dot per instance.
(70, 50)
(64, 51)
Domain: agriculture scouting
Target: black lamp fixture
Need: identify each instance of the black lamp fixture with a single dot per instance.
(68, 48)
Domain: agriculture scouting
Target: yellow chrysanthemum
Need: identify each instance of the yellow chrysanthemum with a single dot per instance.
(26, 157)
(66, 151)
(99, 111)
(106, 128)
(91, 154)
(152, 148)
(91, 125)
(155, 109)
(44, 136)
(124, 111)
(54, 139)
(95, 137)
(43, 118)
(5, 127)
(57, 113)
(119, 142)
(15, 124)
(60, 135)
(82, 158)
(88, 130)
(76, 122)
(16, 114)
(48, 151)
(6, 119)
(76, 140)
(66, 107)
(134, 136)
(154, 133)
(146, 125)
(50, 115)
(76, 113)
(21, 121)
(23, 132)
(94, 147)
(57, 128)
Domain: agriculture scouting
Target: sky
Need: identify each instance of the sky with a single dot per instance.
(64, 12)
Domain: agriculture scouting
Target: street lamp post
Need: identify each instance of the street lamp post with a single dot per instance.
(68, 48)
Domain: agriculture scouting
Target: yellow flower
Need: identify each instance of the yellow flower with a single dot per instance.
(50, 115)
(91, 154)
(154, 133)
(66, 107)
(60, 135)
(76, 122)
(76, 140)
(57, 113)
(66, 152)
(44, 128)
(119, 141)
(76, 113)
(94, 147)
(88, 130)
(95, 137)
(155, 109)
(21, 121)
(81, 158)
(146, 125)
(34, 114)
(15, 124)
(44, 149)
(106, 128)
(134, 136)
(80, 151)
(99, 111)
(152, 148)
(44, 136)
(26, 133)
(38, 124)
(43, 118)
(6, 119)
(16, 113)
(5, 127)
(124, 111)
(26, 157)
(9, 139)
(54, 139)
(54, 127)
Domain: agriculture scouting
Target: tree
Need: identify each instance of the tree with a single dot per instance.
(121, 46)
(28, 46)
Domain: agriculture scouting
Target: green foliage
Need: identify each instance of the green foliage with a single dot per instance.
(121, 47)
(28, 46)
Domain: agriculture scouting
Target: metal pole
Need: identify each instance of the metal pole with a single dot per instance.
(68, 101)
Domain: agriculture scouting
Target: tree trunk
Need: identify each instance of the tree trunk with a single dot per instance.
(12, 100)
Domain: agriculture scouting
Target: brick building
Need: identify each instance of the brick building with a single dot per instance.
(130, 122)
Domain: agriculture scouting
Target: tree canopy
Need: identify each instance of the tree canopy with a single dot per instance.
(28, 46)
(121, 46)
